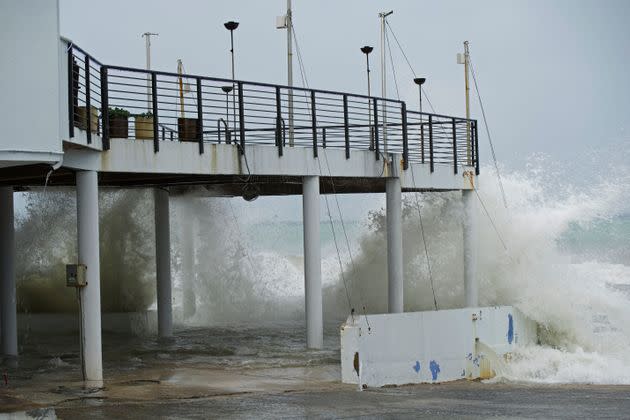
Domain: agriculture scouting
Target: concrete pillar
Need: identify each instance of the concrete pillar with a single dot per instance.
(471, 285)
(312, 263)
(163, 263)
(90, 295)
(394, 245)
(8, 326)
(188, 262)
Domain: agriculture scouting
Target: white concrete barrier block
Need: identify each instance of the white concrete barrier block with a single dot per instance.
(432, 346)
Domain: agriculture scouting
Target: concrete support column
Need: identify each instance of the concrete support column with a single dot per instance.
(394, 245)
(163, 263)
(312, 263)
(471, 285)
(90, 295)
(188, 262)
(8, 326)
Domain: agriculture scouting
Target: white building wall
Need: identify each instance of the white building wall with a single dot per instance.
(29, 65)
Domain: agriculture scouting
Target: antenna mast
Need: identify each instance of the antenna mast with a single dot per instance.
(383, 17)
(147, 39)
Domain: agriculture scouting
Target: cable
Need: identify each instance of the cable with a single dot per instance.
(426, 96)
(391, 59)
(426, 249)
(490, 218)
(485, 122)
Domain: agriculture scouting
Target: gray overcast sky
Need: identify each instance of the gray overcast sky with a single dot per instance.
(552, 73)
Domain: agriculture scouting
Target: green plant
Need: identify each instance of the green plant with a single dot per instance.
(147, 114)
(118, 112)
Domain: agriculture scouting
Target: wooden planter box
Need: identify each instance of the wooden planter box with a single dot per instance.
(144, 128)
(80, 118)
(187, 129)
(119, 127)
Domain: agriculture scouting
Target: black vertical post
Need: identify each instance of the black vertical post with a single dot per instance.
(476, 134)
(241, 116)
(324, 137)
(105, 106)
(199, 116)
(314, 123)
(346, 129)
(71, 91)
(377, 150)
(279, 133)
(454, 146)
(403, 109)
(88, 102)
(421, 140)
(156, 140)
(431, 163)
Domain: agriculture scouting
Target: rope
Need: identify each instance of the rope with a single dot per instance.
(485, 122)
(426, 250)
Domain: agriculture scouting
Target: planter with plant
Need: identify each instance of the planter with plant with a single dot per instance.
(144, 126)
(118, 123)
(80, 118)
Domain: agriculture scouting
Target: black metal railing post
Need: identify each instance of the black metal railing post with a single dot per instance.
(377, 149)
(454, 145)
(156, 140)
(241, 117)
(324, 137)
(105, 106)
(431, 162)
(71, 91)
(476, 134)
(346, 128)
(314, 123)
(279, 137)
(405, 139)
(199, 116)
(421, 140)
(88, 101)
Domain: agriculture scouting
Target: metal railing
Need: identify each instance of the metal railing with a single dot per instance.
(165, 106)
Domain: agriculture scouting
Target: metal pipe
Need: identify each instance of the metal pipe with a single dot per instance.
(290, 69)
(8, 315)
(163, 263)
(394, 245)
(312, 263)
(90, 295)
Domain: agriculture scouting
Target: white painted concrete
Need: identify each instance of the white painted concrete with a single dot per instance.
(163, 263)
(29, 104)
(432, 346)
(87, 228)
(8, 316)
(471, 284)
(312, 263)
(394, 245)
(137, 156)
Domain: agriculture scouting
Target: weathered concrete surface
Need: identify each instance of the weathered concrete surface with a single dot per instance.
(308, 392)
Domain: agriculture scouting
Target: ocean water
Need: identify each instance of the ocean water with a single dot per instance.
(559, 252)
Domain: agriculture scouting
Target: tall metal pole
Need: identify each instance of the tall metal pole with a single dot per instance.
(468, 142)
(233, 78)
(147, 44)
(383, 17)
(367, 50)
(290, 69)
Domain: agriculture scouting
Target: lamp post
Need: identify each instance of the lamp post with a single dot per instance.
(367, 50)
(420, 81)
(231, 26)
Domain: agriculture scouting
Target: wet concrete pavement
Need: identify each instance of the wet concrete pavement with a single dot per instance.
(308, 392)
